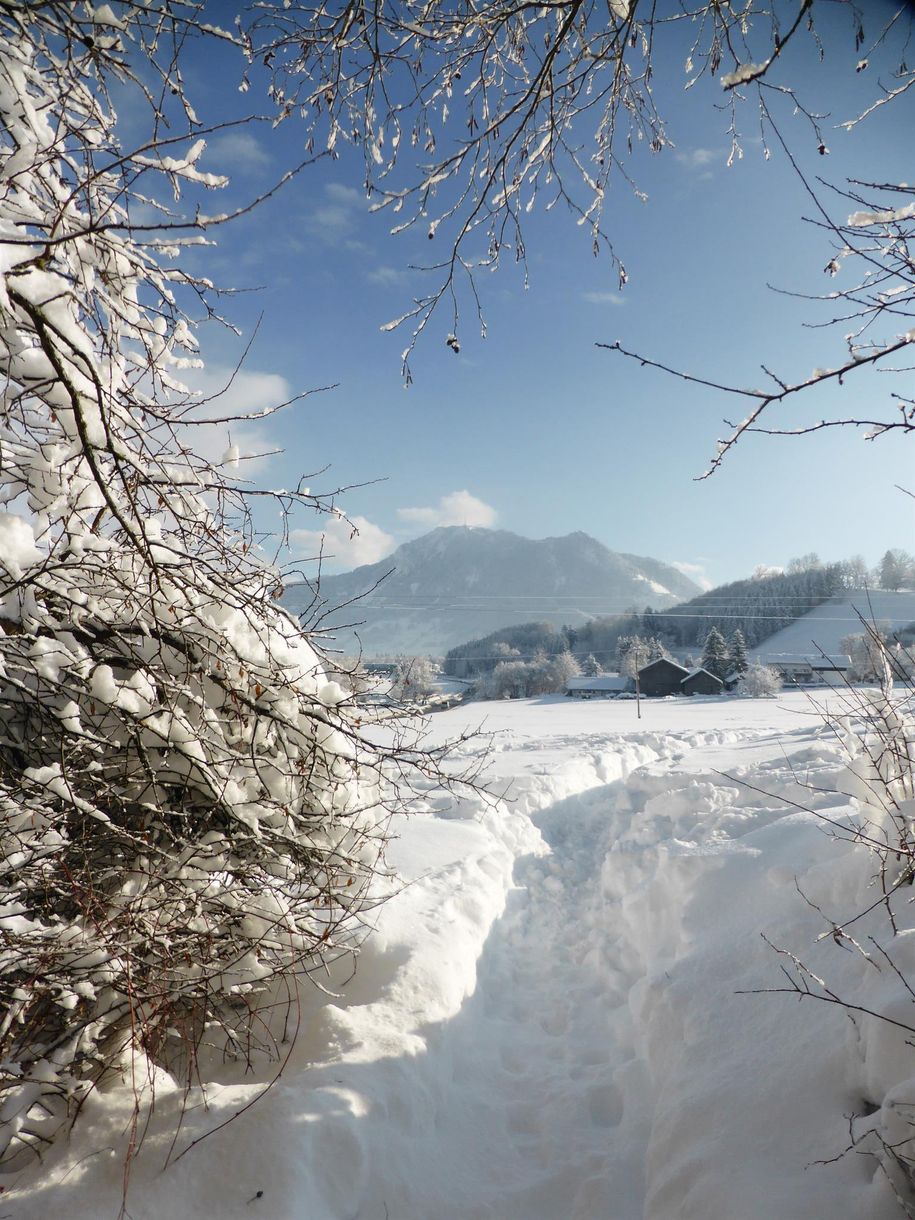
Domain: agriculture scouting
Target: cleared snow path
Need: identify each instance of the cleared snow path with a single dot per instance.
(539, 1063)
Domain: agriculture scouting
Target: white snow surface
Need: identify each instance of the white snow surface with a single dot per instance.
(546, 1024)
(823, 629)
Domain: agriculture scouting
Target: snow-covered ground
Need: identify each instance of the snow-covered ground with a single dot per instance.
(550, 1022)
(823, 629)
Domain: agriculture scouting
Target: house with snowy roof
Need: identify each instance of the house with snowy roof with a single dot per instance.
(809, 669)
(599, 686)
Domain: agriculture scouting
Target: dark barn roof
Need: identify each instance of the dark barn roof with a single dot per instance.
(701, 682)
(661, 677)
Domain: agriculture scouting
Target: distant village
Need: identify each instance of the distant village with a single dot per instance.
(665, 676)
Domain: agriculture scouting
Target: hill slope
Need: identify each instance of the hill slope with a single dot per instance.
(824, 628)
(456, 583)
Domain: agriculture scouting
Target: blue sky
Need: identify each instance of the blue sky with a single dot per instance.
(536, 429)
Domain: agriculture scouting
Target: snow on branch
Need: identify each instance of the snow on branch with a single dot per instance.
(192, 811)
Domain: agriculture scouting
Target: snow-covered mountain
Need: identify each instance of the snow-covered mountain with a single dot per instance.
(456, 583)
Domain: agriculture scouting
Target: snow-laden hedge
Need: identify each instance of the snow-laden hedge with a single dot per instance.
(190, 812)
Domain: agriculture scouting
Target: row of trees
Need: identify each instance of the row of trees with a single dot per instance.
(542, 675)
(725, 658)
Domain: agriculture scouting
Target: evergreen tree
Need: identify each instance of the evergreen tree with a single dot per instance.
(715, 654)
(656, 649)
(738, 652)
(590, 666)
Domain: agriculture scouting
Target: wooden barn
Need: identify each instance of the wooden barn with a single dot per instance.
(662, 677)
(701, 682)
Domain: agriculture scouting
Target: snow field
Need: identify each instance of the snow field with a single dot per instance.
(546, 1024)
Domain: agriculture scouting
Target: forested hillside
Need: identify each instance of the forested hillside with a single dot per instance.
(759, 606)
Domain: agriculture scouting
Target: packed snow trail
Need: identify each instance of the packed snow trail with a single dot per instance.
(539, 1059)
(546, 1024)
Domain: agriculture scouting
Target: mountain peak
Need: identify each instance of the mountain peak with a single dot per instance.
(459, 582)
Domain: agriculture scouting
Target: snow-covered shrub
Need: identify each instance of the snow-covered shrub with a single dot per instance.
(873, 916)
(542, 675)
(760, 682)
(190, 811)
(414, 678)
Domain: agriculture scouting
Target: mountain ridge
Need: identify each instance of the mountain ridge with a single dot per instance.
(437, 590)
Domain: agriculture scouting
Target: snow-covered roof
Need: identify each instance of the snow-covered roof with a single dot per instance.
(815, 661)
(599, 682)
(700, 669)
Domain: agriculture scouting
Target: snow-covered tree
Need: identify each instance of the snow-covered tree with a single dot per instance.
(590, 665)
(715, 654)
(867, 651)
(896, 568)
(632, 653)
(760, 682)
(509, 680)
(469, 115)
(804, 563)
(414, 678)
(189, 808)
(855, 572)
(737, 649)
(561, 669)
(656, 648)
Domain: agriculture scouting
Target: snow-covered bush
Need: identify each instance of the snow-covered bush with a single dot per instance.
(190, 812)
(414, 678)
(866, 649)
(760, 682)
(542, 675)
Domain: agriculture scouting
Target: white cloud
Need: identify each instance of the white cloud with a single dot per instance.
(341, 547)
(339, 215)
(457, 508)
(250, 391)
(695, 571)
(603, 298)
(696, 158)
(344, 194)
(237, 150)
(387, 275)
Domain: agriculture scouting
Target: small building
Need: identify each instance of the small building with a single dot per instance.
(809, 669)
(700, 682)
(662, 677)
(598, 686)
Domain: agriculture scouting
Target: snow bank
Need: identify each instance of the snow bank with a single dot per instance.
(563, 1014)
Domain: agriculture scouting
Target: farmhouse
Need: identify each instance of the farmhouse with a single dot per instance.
(662, 677)
(598, 686)
(799, 669)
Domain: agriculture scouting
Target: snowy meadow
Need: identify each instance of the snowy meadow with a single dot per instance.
(567, 1010)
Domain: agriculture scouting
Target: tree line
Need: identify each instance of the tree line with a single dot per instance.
(757, 607)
